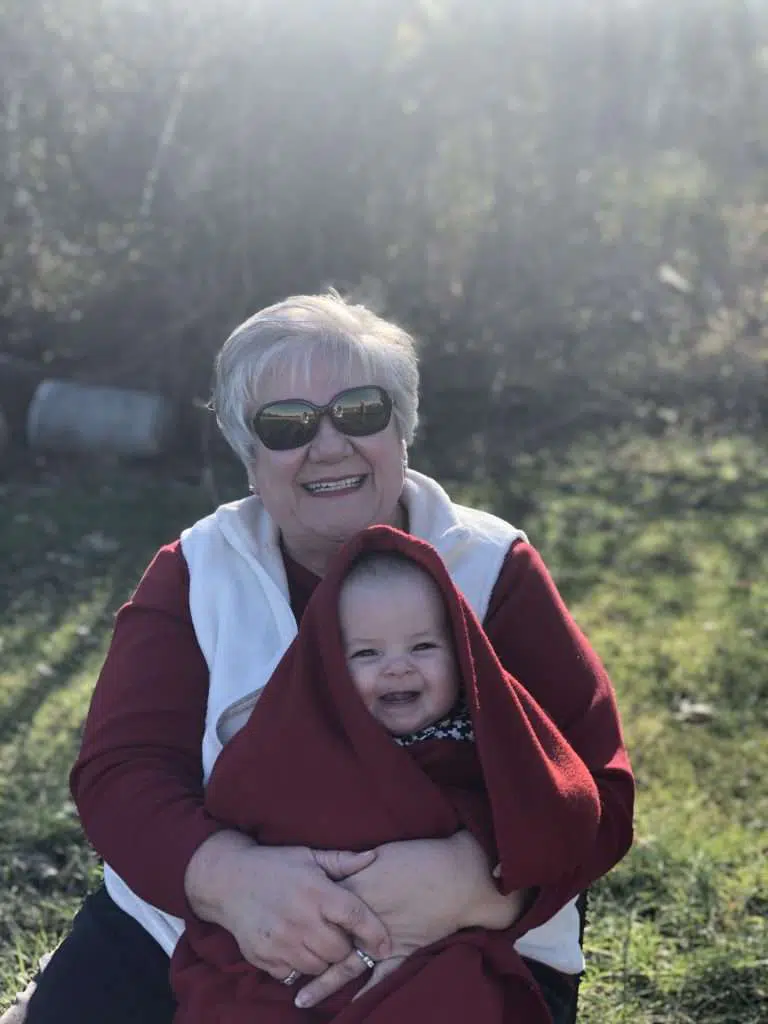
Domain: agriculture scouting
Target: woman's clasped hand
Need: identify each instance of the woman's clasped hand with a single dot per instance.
(282, 906)
(424, 890)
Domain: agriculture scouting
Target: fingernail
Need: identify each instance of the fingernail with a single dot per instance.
(301, 1001)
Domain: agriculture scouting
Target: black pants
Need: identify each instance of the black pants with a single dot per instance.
(560, 991)
(110, 971)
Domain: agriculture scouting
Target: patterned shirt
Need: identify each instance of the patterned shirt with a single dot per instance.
(457, 725)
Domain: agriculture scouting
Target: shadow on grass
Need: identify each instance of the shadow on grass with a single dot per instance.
(726, 994)
(19, 711)
(75, 549)
(85, 607)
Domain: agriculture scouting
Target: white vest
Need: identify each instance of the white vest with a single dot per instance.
(239, 604)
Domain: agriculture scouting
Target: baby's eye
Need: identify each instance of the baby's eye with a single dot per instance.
(364, 652)
(425, 645)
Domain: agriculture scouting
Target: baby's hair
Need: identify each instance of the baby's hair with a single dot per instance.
(384, 565)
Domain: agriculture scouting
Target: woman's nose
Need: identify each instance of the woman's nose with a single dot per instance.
(328, 441)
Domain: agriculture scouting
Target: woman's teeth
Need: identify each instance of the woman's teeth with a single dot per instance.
(328, 486)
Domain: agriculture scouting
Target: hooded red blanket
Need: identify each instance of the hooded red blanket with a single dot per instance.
(312, 767)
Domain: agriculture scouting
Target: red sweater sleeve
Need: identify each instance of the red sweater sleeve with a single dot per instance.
(137, 782)
(537, 640)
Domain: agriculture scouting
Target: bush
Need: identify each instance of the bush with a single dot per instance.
(567, 205)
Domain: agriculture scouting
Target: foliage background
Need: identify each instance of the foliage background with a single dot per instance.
(566, 201)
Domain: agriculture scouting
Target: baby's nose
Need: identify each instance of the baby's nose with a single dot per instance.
(399, 665)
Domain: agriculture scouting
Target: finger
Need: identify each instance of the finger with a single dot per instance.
(340, 864)
(309, 950)
(291, 957)
(328, 941)
(357, 919)
(309, 962)
(381, 971)
(336, 977)
(301, 959)
(276, 969)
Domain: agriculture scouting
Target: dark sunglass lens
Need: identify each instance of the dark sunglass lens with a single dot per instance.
(285, 425)
(361, 411)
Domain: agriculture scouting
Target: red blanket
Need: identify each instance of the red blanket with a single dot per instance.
(313, 768)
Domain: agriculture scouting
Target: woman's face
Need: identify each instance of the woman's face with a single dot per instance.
(366, 474)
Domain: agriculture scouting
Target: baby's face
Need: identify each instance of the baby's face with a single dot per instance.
(399, 650)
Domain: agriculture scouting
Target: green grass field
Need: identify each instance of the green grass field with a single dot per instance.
(659, 546)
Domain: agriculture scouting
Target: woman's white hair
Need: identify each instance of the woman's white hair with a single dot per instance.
(285, 339)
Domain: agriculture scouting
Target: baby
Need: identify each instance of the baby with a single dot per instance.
(399, 649)
(388, 649)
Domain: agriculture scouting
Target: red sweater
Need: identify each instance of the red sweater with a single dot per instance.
(137, 782)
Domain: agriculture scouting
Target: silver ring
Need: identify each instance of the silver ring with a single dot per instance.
(369, 962)
(291, 977)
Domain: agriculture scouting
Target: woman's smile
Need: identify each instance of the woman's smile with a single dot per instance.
(340, 485)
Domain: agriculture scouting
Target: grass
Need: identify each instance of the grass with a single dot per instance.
(659, 545)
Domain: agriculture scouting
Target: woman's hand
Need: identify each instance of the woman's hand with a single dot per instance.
(283, 905)
(423, 890)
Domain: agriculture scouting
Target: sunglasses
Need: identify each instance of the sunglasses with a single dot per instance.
(293, 422)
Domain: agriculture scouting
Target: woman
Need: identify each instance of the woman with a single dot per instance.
(319, 400)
